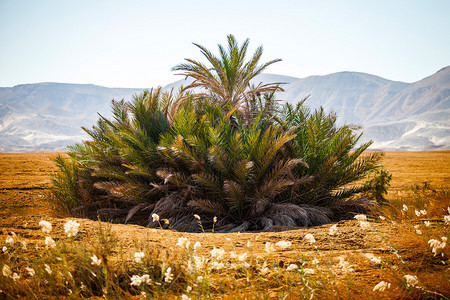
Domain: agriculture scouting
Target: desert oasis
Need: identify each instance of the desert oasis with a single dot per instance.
(221, 190)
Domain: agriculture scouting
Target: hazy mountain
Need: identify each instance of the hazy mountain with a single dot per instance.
(49, 116)
(396, 115)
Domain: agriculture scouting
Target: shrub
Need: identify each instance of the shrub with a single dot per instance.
(377, 184)
(248, 160)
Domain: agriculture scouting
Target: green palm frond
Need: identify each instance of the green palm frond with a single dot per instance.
(229, 75)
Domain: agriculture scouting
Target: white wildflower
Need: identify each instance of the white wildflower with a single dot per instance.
(382, 218)
(411, 280)
(345, 266)
(197, 217)
(48, 269)
(310, 238)
(15, 276)
(146, 279)
(4, 249)
(333, 230)
(405, 208)
(420, 212)
(243, 257)
(197, 245)
(49, 242)
(308, 271)
(447, 220)
(216, 265)
(155, 217)
(199, 262)
(427, 223)
(382, 286)
(361, 217)
(188, 289)
(269, 247)
(199, 279)
(185, 297)
(183, 242)
(71, 228)
(9, 240)
(217, 253)
(249, 244)
(30, 271)
(168, 276)
(137, 280)
(264, 269)
(46, 226)
(6, 271)
(292, 267)
(418, 231)
(138, 256)
(283, 244)
(215, 219)
(437, 245)
(95, 261)
(364, 224)
(373, 258)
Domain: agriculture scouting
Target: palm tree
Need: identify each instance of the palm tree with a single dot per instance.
(228, 77)
(239, 177)
(229, 151)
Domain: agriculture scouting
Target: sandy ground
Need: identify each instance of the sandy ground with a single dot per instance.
(24, 182)
(25, 177)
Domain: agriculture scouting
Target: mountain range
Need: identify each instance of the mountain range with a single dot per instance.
(395, 115)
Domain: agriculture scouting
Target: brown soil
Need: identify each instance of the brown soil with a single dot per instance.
(25, 181)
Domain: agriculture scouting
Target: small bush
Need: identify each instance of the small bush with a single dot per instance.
(377, 184)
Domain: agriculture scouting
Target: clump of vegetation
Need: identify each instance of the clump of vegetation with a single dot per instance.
(90, 263)
(222, 148)
(377, 184)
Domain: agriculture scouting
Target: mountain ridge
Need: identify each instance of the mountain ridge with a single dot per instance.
(396, 115)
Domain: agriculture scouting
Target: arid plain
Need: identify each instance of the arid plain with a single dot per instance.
(25, 183)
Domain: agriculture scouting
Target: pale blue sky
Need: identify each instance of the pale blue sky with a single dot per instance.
(136, 43)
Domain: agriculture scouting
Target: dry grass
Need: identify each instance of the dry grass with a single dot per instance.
(345, 266)
(412, 168)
